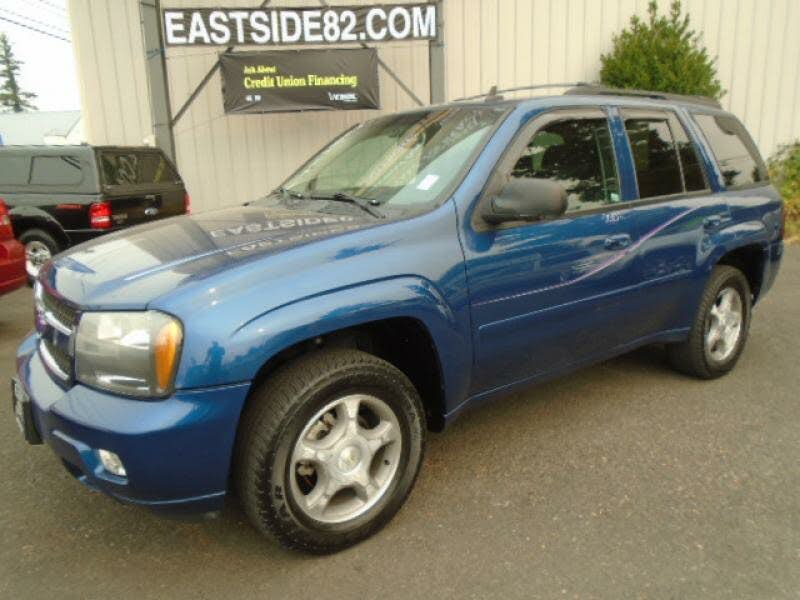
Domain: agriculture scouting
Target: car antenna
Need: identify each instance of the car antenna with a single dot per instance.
(492, 96)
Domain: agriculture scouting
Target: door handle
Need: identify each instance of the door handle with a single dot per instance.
(713, 222)
(617, 242)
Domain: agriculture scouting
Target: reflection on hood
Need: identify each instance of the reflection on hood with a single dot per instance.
(160, 255)
(283, 232)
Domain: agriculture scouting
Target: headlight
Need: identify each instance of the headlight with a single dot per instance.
(133, 353)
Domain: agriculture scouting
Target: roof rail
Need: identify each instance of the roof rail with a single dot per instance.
(494, 94)
(599, 90)
(594, 89)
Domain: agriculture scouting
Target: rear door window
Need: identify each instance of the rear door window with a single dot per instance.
(658, 171)
(14, 169)
(665, 159)
(56, 170)
(736, 154)
(694, 178)
(136, 168)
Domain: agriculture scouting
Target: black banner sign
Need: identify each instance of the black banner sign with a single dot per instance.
(294, 80)
(298, 25)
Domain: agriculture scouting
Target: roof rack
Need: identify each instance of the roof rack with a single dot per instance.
(593, 89)
(494, 94)
(600, 90)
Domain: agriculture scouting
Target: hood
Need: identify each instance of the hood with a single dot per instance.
(130, 268)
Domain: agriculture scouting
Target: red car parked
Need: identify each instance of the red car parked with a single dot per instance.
(12, 255)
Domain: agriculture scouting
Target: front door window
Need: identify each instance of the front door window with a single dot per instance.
(578, 154)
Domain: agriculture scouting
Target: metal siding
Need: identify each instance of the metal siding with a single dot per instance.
(109, 50)
(230, 159)
(552, 41)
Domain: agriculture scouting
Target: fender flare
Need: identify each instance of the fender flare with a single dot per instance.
(32, 217)
(260, 338)
(747, 233)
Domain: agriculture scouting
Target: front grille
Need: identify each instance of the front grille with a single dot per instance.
(60, 310)
(56, 326)
(62, 359)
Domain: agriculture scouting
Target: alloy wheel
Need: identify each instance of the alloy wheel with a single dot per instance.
(36, 254)
(724, 324)
(345, 458)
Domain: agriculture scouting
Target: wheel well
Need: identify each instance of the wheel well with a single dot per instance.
(23, 224)
(750, 261)
(403, 342)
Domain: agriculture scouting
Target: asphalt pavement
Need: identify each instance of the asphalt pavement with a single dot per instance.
(624, 480)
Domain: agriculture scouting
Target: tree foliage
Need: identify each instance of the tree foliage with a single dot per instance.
(11, 97)
(661, 54)
(784, 170)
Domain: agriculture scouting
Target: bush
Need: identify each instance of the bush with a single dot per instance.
(784, 170)
(662, 54)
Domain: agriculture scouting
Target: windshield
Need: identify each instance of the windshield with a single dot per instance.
(403, 161)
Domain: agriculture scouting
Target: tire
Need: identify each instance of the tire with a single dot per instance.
(40, 246)
(277, 490)
(697, 356)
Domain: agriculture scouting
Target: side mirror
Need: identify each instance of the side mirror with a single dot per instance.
(526, 199)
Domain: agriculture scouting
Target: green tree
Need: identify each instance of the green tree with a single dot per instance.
(11, 97)
(784, 171)
(661, 54)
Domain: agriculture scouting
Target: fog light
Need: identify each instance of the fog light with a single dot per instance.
(112, 463)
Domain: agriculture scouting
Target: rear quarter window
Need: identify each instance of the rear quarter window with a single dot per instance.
(736, 154)
(136, 168)
(56, 170)
(14, 169)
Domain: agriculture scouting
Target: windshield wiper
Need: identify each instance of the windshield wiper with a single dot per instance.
(361, 203)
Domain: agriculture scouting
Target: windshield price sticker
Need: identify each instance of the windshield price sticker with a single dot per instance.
(288, 26)
(427, 182)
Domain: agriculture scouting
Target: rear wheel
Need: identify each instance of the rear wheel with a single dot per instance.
(40, 247)
(720, 328)
(328, 450)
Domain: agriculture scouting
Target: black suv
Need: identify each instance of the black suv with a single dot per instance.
(59, 196)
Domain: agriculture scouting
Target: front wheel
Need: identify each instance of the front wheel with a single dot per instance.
(328, 450)
(720, 328)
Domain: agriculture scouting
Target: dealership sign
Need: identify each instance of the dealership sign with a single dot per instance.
(295, 80)
(306, 25)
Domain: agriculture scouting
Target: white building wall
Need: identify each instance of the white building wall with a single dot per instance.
(228, 159)
(109, 50)
(523, 42)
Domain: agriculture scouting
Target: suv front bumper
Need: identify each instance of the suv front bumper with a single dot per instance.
(176, 451)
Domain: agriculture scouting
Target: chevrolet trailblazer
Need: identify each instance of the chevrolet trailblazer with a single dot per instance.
(295, 350)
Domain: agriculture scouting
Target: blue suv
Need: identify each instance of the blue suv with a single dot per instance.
(297, 349)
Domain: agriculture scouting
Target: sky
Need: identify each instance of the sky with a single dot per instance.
(49, 63)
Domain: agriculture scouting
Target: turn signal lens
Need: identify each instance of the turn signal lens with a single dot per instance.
(167, 346)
